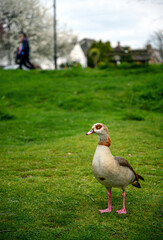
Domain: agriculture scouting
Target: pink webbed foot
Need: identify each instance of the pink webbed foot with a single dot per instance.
(122, 211)
(106, 210)
(109, 204)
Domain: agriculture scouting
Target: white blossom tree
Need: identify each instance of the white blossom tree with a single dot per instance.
(66, 40)
(29, 16)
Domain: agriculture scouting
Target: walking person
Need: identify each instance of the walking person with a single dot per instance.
(23, 53)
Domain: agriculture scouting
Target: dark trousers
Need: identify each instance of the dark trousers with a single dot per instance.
(24, 60)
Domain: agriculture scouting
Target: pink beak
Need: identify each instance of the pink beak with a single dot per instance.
(90, 132)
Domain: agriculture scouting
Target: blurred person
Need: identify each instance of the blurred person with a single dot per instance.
(23, 53)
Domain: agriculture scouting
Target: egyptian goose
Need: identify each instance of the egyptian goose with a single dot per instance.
(111, 171)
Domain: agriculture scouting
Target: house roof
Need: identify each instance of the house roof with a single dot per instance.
(118, 48)
(86, 44)
(137, 55)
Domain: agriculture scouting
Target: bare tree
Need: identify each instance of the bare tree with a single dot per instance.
(157, 41)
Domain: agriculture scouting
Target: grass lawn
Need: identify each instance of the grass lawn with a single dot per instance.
(47, 188)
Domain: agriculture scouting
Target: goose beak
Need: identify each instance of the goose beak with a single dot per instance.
(90, 132)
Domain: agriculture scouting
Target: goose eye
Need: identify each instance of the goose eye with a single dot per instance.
(98, 126)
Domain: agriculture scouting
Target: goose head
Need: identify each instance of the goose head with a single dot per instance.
(102, 131)
(98, 128)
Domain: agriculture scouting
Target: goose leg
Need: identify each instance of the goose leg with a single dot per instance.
(123, 210)
(109, 204)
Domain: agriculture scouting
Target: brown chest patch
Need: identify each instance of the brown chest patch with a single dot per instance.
(102, 179)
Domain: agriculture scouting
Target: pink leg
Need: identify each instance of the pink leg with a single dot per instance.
(123, 210)
(109, 204)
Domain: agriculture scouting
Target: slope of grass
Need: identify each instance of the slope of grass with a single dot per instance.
(47, 187)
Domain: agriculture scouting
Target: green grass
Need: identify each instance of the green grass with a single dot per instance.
(47, 187)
